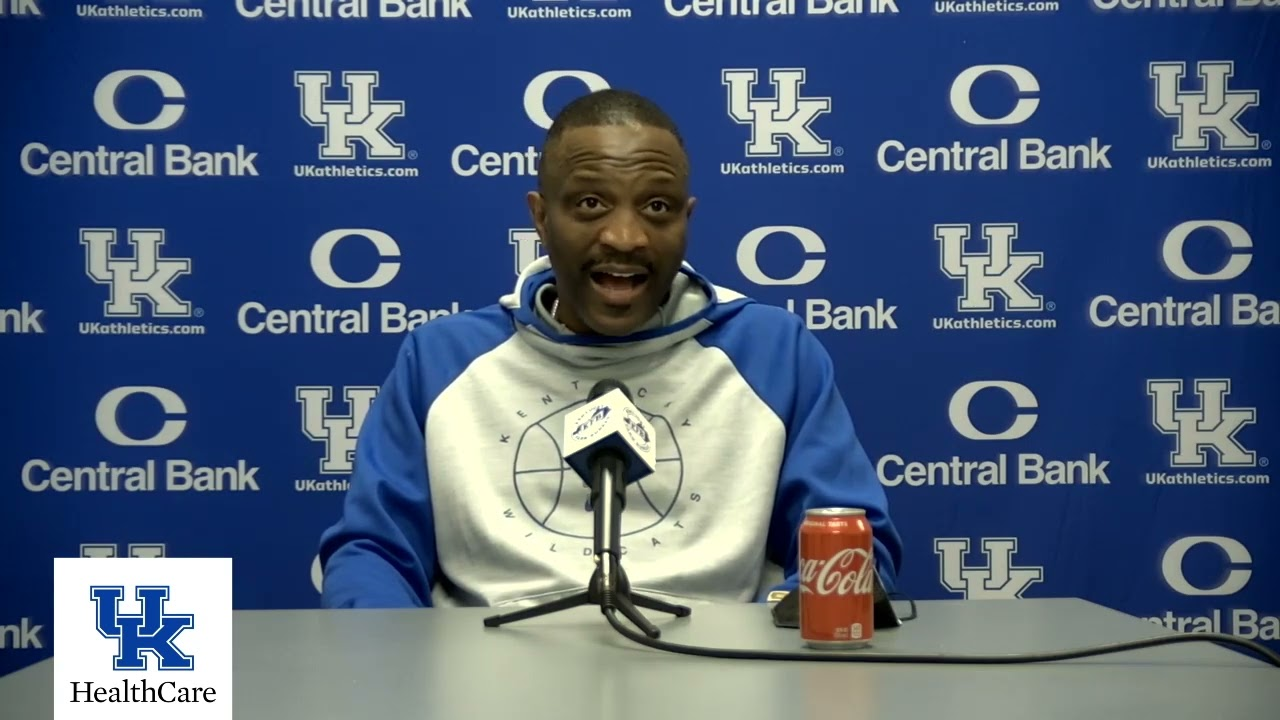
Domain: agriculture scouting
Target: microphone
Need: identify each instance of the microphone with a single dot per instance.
(609, 434)
(610, 444)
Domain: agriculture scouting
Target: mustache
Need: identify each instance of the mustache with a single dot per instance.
(636, 260)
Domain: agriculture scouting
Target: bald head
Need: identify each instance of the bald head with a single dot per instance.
(603, 108)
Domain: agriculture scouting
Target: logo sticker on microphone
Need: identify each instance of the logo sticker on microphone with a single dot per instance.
(636, 429)
(593, 423)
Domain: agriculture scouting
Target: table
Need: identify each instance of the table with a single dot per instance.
(443, 663)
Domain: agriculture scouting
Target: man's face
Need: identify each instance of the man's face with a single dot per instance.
(612, 216)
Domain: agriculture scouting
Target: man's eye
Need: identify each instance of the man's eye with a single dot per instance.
(589, 203)
(659, 205)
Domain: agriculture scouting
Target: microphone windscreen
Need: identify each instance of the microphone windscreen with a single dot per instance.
(608, 385)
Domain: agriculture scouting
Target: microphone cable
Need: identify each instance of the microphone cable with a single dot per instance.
(871, 656)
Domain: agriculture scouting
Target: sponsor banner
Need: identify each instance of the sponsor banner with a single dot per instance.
(126, 417)
(143, 139)
(340, 10)
(1012, 139)
(773, 9)
(1000, 449)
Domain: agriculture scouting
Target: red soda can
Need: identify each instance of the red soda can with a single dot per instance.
(837, 579)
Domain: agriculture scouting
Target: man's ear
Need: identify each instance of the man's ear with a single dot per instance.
(688, 207)
(538, 212)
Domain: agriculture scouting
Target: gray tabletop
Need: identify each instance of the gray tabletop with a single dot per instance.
(444, 664)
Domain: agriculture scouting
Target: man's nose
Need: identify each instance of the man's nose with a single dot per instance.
(625, 233)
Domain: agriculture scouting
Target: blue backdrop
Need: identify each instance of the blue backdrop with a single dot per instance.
(1039, 239)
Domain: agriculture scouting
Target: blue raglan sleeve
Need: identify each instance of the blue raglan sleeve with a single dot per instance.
(825, 465)
(381, 552)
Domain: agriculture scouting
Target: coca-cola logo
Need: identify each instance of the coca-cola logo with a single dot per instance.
(841, 574)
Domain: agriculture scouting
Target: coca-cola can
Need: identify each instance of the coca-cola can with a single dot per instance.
(837, 579)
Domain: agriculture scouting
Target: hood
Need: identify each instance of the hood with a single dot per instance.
(694, 306)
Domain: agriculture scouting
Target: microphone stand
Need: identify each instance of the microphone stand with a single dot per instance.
(609, 587)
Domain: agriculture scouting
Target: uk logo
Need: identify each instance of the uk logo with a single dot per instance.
(998, 579)
(149, 635)
(143, 276)
(20, 8)
(784, 115)
(354, 120)
(1210, 425)
(996, 272)
(526, 245)
(112, 550)
(1213, 109)
(338, 432)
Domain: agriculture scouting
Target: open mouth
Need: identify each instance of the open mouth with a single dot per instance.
(619, 287)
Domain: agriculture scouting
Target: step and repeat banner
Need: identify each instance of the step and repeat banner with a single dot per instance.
(1040, 239)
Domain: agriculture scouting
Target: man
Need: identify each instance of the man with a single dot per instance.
(459, 494)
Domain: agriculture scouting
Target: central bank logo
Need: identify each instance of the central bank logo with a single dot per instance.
(354, 10)
(995, 413)
(150, 635)
(1185, 6)
(385, 245)
(331, 259)
(959, 410)
(1236, 555)
(107, 416)
(991, 99)
(778, 118)
(991, 280)
(139, 280)
(336, 431)
(1213, 566)
(172, 110)
(472, 159)
(1233, 255)
(818, 313)
(140, 416)
(26, 635)
(998, 579)
(353, 121)
(754, 9)
(1207, 114)
(25, 319)
(137, 101)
